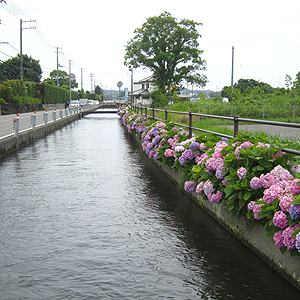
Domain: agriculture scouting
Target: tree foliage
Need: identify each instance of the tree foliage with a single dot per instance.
(63, 79)
(247, 85)
(170, 49)
(10, 69)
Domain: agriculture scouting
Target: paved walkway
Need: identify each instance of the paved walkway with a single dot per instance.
(276, 131)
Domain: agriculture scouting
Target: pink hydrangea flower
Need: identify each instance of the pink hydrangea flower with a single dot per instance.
(266, 180)
(288, 240)
(241, 172)
(278, 239)
(280, 220)
(257, 210)
(294, 188)
(214, 164)
(272, 193)
(255, 183)
(215, 197)
(202, 158)
(199, 187)
(169, 153)
(251, 205)
(190, 186)
(285, 199)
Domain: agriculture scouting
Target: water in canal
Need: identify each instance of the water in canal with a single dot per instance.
(84, 215)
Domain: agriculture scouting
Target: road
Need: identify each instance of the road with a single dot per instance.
(6, 121)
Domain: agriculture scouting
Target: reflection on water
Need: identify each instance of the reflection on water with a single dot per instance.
(85, 215)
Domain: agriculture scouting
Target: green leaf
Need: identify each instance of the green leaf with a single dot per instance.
(240, 195)
(295, 202)
(259, 168)
(246, 196)
(265, 213)
(295, 232)
(271, 208)
(283, 250)
(241, 204)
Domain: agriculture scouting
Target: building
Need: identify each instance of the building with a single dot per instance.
(142, 90)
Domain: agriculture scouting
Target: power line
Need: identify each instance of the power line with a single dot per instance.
(14, 10)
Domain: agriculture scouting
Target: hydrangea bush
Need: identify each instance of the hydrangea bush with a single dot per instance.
(255, 179)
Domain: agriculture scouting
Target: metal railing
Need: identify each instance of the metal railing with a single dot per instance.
(144, 110)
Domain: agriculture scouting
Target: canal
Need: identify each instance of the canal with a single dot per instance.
(85, 215)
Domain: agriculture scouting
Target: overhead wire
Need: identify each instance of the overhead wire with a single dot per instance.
(14, 10)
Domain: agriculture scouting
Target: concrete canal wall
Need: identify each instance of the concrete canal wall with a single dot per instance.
(15, 141)
(249, 232)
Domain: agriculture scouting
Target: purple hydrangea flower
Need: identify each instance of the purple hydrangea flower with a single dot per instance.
(190, 186)
(219, 173)
(188, 154)
(241, 172)
(181, 161)
(298, 242)
(280, 220)
(194, 145)
(295, 211)
(208, 187)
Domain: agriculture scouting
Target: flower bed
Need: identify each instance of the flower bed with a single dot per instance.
(254, 179)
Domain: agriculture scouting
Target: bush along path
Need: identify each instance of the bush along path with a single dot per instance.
(254, 178)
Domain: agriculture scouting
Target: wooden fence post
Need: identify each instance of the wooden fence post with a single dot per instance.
(190, 124)
(236, 126)
(166, 115)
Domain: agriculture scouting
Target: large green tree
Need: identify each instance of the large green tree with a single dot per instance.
(170, 49)
(10, 69)
(63, 79)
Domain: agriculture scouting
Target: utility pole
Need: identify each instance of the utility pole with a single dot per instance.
(70, 78)
(57, 65)
(81, 78)
(21, 54)
(232, 67)
(92, 75)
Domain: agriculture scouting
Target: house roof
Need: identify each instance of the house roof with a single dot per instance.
(141, 92)
(147, 79)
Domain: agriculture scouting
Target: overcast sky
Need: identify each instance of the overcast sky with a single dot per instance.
(93, 34)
